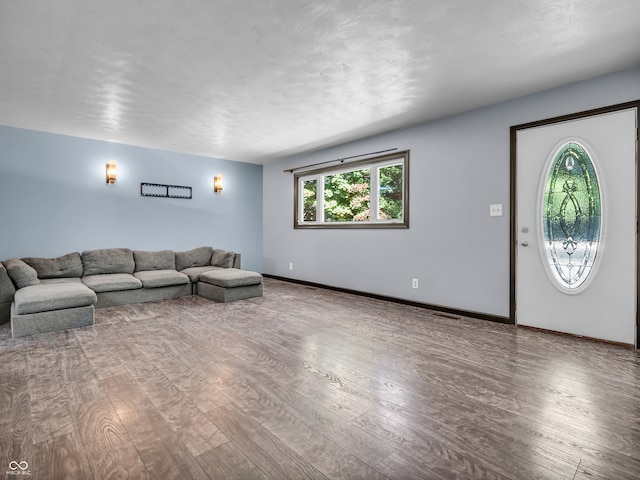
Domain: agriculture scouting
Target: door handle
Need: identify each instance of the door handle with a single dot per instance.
(524, 244)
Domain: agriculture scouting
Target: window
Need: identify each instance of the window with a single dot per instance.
(345, 196)
(571, 216)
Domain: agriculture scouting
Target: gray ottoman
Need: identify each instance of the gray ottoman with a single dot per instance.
(52, 307)
(229, 284)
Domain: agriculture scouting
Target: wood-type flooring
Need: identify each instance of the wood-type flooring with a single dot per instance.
(307, 383)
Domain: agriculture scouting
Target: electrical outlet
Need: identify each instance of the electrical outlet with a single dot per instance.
(414, 283)
(290, 265)
(495, 210)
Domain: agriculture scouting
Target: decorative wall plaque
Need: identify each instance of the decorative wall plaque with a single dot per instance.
(165, 191)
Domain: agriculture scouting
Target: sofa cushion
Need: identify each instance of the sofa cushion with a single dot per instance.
(42, 298)
(51, 281)
(109, 260)
(231, 277)
(161, 278)
(222, 258)
(20, 273)
(69, 265)
(112, 282)
(162, 260)
(194, 272)
(198, 257)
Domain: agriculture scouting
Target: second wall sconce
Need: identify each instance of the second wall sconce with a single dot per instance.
(217, 184)
(112, 167)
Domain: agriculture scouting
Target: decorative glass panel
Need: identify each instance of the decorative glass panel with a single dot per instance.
(310, 200)
(346, 196)
(391, 189)
(571, 216)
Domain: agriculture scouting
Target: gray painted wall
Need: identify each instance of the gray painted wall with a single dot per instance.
(459, 166)
(54, 200)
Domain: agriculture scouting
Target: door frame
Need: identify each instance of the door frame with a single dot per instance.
(513, 234)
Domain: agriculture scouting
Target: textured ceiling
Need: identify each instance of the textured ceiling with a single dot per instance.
(254, 80)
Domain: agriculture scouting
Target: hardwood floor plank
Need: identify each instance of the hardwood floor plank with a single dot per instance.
(98, 350)
(493, 447)
(587, 472)
(50, 403)
(271, 455)
(12, 357)
(189, 424)
(205, 392)
(15, 446)
(107, 442)
(435, 451)
(261, 407)
(179, 371)
(77, 372)
(327, 456)
(401, 465)
(552, 407)
(125, 314)
(15, 407)
(171, 460)
(276, 417)
(61, 457)
(556, 439)
(345, 434)
(227, 461)
(552, 399)
(276, 408)
(297, 375)
(143, 422)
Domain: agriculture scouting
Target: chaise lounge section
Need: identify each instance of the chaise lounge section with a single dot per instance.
(48, 308)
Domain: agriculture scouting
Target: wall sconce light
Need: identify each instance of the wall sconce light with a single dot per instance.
(112, 173)
(217, 184)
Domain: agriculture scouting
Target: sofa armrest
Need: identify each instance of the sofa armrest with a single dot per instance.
(7, 289)
(236, 261)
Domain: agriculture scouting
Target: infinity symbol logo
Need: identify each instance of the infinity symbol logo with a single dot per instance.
(15, 465)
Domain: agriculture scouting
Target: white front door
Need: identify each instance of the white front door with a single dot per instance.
(576, 226)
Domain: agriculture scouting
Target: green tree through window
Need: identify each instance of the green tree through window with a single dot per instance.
(310, 201)
(346, 196)
(390, 206)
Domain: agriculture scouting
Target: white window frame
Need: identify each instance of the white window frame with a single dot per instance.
(374, 164)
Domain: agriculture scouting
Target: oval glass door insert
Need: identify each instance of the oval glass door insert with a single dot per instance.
(571, 217)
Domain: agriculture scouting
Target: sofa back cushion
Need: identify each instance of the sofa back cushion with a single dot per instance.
(21, 274)
(198, 257)
(222, 258)
(162, 260)
(109, 260)
(67, 266)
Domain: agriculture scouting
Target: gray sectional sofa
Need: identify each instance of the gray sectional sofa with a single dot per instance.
(48, 294)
